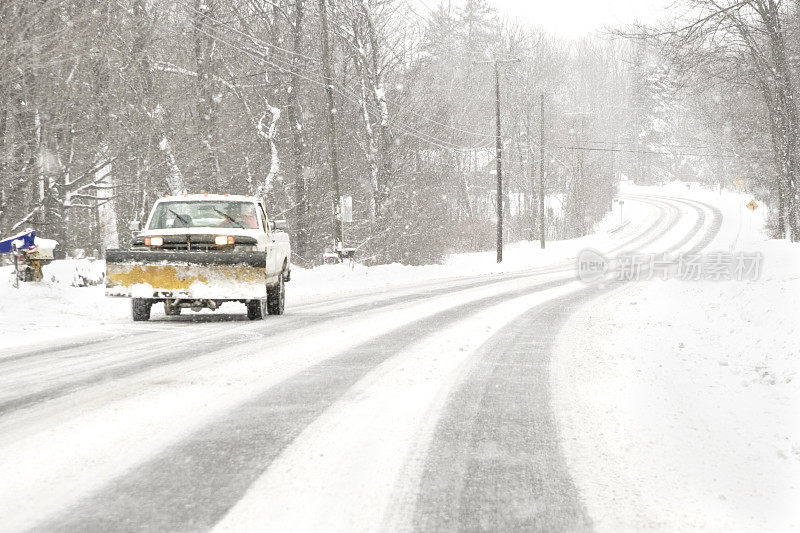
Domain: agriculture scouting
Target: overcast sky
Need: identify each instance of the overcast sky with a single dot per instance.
(574, 18)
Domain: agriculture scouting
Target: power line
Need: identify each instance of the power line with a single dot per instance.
(388, 102)
(427, 138)
(351, 97)
(634, 151)
(236, 30)
(669, 145)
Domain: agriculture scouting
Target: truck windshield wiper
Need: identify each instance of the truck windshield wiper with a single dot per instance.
(226, 215)
(186, 222)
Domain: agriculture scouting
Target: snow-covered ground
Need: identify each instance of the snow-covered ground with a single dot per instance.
(56, 309)
(683, 418)
(376, 423)
(686, 417)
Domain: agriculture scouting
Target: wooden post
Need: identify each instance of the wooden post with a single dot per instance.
(16, 265)
(499, 156)
(541, 173)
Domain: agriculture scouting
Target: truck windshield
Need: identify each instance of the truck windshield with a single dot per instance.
(204, 214)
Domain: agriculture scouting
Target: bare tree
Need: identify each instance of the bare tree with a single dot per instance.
(718, 33)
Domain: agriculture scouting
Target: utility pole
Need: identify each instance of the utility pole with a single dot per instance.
(613, 164)
(338, 238)
(541, 173)
(498, 151)
(498, 142)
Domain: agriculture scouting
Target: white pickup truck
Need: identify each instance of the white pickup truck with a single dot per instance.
(200, 250)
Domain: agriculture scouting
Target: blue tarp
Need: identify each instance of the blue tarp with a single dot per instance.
(26, 239)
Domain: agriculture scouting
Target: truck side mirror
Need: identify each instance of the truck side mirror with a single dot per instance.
(134, 225)
(280, 225)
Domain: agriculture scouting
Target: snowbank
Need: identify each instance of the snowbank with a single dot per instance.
(75, 272)
(60, 306)
(686, 417)
(518, 256)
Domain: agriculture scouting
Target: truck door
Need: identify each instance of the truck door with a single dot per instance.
(272, 246)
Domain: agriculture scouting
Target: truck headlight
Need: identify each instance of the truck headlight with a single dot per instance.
(222, 240)
(154, 241)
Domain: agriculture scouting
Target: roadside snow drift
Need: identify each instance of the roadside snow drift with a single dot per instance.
(679, 401)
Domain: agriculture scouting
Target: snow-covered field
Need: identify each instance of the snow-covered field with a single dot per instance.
(686, 416)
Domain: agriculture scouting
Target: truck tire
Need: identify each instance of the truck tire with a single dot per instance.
(140, 309)
(256, 309)
(276, 297)
(172, 309)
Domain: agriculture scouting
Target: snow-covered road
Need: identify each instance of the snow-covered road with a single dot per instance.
(418, 405)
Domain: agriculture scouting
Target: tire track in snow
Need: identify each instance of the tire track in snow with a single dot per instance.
(165, 352)
(106, 361)
(332, 481)
(191, 485)
(368, 435)
(289, 400)
(357, 299)
(495, 461)
(480, 283)
(712, 228)
(103, 436)
(101, 345)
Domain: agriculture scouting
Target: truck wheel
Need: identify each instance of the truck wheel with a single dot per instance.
(172, 309)
(256, 309)
(276, 297)
(140, 309)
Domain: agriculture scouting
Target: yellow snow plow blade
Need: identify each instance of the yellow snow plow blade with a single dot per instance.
(186, 275)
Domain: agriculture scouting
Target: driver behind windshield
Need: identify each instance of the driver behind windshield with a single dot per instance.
(240, 215)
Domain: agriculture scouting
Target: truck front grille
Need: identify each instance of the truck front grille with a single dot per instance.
(196, 243)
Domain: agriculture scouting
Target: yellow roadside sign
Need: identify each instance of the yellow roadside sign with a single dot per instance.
(752, 205)
(738, 182)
